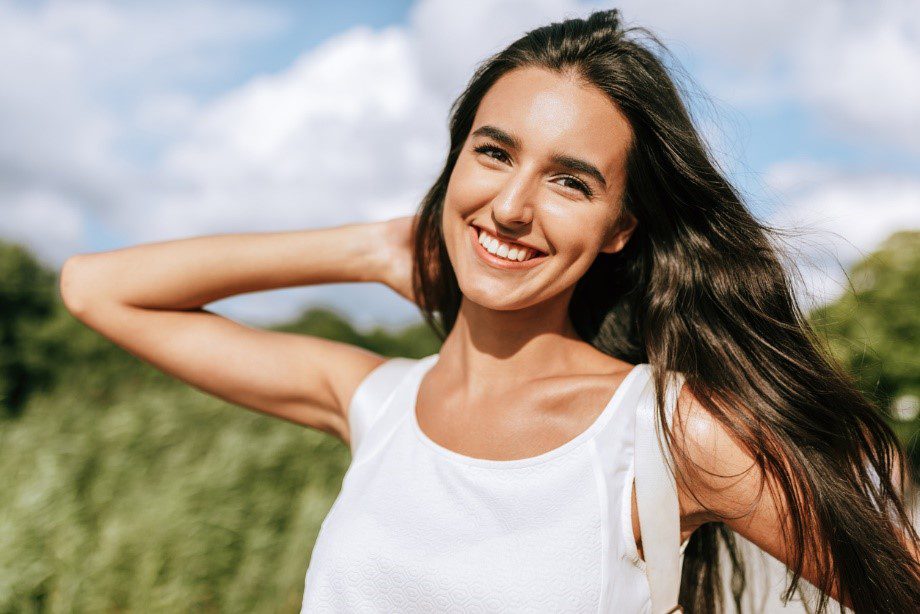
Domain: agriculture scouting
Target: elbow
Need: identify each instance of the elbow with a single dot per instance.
(72, 288)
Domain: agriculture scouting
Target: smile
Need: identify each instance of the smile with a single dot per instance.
(499, 261)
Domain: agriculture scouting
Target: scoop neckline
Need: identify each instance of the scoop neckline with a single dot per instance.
(615, 400)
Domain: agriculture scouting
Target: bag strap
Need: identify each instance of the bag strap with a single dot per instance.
(656, 495)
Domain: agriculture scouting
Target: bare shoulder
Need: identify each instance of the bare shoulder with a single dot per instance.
(720, 471)
(715, 469)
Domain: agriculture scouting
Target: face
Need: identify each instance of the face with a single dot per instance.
(543, 166)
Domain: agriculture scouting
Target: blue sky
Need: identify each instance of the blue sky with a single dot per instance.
(131, 122)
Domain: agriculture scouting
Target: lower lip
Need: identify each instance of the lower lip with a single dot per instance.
(495, 261)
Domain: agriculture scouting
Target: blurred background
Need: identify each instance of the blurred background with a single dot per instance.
(129, 122)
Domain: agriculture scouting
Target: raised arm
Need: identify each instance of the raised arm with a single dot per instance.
(150, 298)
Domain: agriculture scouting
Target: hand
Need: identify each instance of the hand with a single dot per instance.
(399, 254)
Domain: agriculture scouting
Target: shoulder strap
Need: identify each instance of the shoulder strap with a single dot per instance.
(656, 494)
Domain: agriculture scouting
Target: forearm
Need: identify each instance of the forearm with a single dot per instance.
(189, 273)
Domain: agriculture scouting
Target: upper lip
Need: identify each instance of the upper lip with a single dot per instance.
(508, 239)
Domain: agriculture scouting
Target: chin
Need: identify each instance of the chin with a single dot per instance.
(493, 295)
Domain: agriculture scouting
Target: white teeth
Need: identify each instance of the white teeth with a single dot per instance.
(503, 250)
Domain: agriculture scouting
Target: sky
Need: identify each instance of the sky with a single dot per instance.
(131, 122)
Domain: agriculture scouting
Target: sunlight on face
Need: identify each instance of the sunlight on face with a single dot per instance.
(544, 164)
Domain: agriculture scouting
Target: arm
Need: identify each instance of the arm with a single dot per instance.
(740, 498)
(149, 300)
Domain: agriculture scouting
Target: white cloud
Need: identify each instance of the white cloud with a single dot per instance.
(792, 177)
(109, 42)
(165, 115)
(348, 126)
(72, 75)
(842, 217)
(56, 220)
(854, 65)
(748, 33)
(860, 69)
(451, 38)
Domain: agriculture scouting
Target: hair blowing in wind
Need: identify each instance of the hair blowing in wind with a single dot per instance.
(700, 288)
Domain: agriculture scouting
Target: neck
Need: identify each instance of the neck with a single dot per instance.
(486, 347)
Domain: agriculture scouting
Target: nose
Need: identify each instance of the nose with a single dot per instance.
(514, 205)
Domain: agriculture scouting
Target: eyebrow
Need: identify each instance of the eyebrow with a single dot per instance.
(568, 162)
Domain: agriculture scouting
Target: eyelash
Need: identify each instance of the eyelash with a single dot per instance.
(582, 187)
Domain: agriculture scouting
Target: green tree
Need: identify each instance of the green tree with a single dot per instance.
(27, 300)
(874, 330)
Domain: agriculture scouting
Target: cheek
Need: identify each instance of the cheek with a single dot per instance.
(468, 188)
(571, 235)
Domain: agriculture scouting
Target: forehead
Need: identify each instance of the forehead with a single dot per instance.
(554, 111)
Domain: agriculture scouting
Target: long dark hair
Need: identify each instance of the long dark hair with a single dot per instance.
(700, 289)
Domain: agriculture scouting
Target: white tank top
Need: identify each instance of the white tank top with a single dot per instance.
(417, 527)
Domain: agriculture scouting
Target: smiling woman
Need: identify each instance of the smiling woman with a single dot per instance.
(516, 469)
(575, 140)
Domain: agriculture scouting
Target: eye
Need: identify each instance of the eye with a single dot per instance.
(503, 156)
(579, 185)
(485, 149)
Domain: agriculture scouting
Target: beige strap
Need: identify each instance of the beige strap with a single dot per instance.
(656, 495)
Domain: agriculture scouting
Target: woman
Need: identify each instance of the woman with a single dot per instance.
(578, 232)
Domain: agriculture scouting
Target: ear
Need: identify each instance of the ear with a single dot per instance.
(620, 233)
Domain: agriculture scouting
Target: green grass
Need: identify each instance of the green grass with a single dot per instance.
(162, 500)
